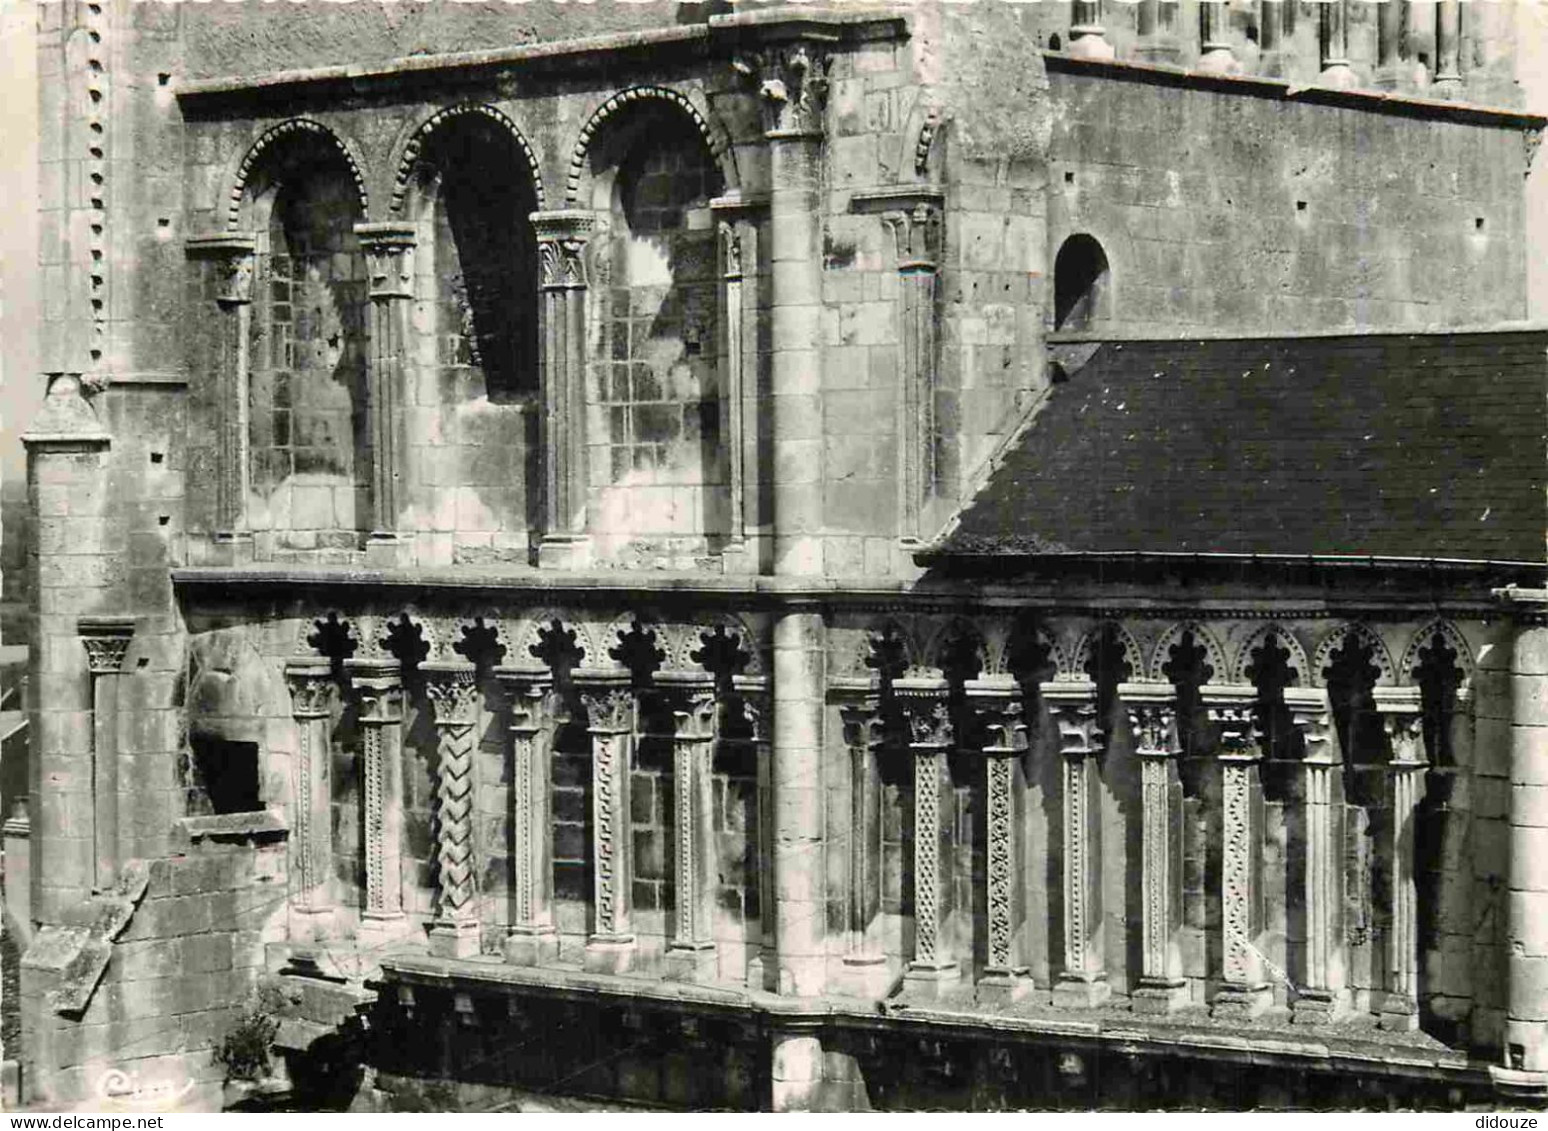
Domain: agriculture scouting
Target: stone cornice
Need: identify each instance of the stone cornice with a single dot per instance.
(518, 584)
(719, 36)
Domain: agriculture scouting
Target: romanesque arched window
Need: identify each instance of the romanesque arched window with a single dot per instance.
(309, 442)
(474, 341)
(659, 480)
(1081, 280)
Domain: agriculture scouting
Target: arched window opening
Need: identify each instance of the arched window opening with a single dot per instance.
(1080, 285)
(474, 181)
(309, 438)
(660, 476)
(474, 341)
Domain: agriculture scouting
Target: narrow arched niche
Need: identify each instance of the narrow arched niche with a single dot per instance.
(308, 436)
(658, 469)
(473, 446)
(1081, 285)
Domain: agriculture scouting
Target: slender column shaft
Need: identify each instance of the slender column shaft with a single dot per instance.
(1243, 992)
(453, 690)
(1391, 20)
(1082, 740)
(1152, 715)
(389, 250)
(1333, 40)
(1320, 986)
(734, 244)
(106, 640)
(610, 718)
(311, 843)
(1005, 976)
(916, 234)
(1448, 48)
(561, 252)
(533, 939)
(929, 738)
(1400, 714)
(1526, 1021)
(378, 681)
(691, 954)
(800, 896)
(1216, 55)
(1273, 55)
(1157, 27)
(864, 962)
(234, 262)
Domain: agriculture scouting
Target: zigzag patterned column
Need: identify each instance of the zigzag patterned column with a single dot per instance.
(1005, 977)
(1073, 704)
(453, 690)
(691, 954)
(932, 970)
(1400, 716)
(1152, 711)
(609, 703)
(532, 940)
(1244, 993)
(311, 688)
(1320, 994)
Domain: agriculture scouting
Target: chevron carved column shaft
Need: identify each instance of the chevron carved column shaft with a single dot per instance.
(453, 690)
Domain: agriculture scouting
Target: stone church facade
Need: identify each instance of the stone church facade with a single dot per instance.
(956, 556)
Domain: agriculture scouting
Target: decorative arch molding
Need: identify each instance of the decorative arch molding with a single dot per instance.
(1422, 639)
(253, 159)
(1298, 659)
(1002, 641)
(1333, 640)
(714, 137)
(412, 146)
(922, 129)
(530, 634)
(733, 626)
(1132, 654)
(1214, 654)
(944, 636)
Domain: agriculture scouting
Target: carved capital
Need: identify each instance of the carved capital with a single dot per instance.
(381, 700)
(1400, 709)
(66, 422)
(927, 717)
(453, 692)
(792, 84)
(862, 721)
(389, 252)
(1233, 709)
(1004, 716)
(694, 715)
(234, 258)
(562, 237)
(1073, 705)
(310, 679)
(609, 703)
(527, 692)
(107, 641)
(1312, 715)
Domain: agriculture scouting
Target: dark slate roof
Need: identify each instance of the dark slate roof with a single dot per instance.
(1405, 446)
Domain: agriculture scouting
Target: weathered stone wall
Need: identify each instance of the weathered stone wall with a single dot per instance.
(1234, 213)
(179, 974)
